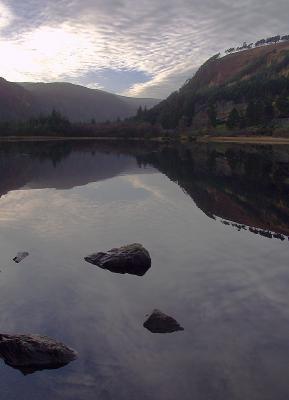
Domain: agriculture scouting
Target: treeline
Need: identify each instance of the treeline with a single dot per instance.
(261, 42)
(268, 97)
(258, 112)
(52, 124)
(55, 124)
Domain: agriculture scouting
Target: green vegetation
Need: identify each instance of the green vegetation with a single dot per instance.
(57, 125)
(260, 98)
(233, 119)
(52, 124)
(256, 97)
(261, 42)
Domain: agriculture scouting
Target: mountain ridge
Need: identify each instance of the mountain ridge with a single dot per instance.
(22, 100)
(239, 90)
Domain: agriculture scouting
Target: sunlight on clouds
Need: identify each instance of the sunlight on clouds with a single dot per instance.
(138, 182)
(48, 53)
(43, 54)
(65, 40)
(5, 16)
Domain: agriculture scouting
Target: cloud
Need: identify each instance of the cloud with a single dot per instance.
(5, 16)
(163, 40)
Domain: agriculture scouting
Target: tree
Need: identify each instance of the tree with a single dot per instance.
(260, 43)
(242, 119)
(273, 39)
(56, 122)
(212, 114)
(282, 104)
(233, 119)
(269, 112)
(255, 113)
(139, 113)
(189, 107)
(250, 113)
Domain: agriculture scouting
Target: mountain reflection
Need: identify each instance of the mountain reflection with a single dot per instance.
(243, 186)
(59, 165)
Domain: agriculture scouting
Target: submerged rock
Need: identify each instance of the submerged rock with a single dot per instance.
(20, 256)
(31, 353)
(132, 259)
(159, 322)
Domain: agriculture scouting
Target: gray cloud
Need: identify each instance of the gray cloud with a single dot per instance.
(164, 39)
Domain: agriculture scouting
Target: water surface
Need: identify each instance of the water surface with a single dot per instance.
(215, 219)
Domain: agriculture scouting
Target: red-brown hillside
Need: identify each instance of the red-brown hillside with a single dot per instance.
(242, 64)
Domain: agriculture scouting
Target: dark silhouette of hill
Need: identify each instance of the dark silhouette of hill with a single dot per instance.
(15, 101)
(20, 101)
(79, 103)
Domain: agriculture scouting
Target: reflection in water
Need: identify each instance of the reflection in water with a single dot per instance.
(59, 201)
(31, 369)
(246, 187)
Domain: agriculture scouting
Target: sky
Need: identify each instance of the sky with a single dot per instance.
(143, 48)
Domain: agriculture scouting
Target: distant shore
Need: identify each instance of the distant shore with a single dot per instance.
(244, 139)
(205, 139)
(51, 138)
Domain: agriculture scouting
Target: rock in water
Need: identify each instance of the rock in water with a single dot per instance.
(20, 256)
(31, 353)
(132, 259)
(159, 322)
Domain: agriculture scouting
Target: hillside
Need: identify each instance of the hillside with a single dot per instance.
(79, 103)
(242, 65)
(19, 101)
(245, 89)
(15, 101)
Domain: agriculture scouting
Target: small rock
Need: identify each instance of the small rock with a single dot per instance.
(132, 259)
(159, 322)
(30, 353)
(20, 256)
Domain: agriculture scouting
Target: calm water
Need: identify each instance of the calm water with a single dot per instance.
(215, 220)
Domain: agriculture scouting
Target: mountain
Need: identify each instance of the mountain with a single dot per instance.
(15, 101)
(19, 101)
(244, 89)
(79, 103)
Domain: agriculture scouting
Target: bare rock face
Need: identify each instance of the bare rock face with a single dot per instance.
(31, 353)
(20, 256)
(159, 322)
(132, 259)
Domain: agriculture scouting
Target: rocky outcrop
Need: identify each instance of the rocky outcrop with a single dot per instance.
(159, 322)
(31, 353)
(132, 259)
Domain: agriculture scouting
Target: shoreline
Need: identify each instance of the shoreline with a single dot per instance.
(48, 138)
(244, 139)
(205, 139)
(74, 138)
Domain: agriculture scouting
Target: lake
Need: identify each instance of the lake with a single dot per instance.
(215, 219)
